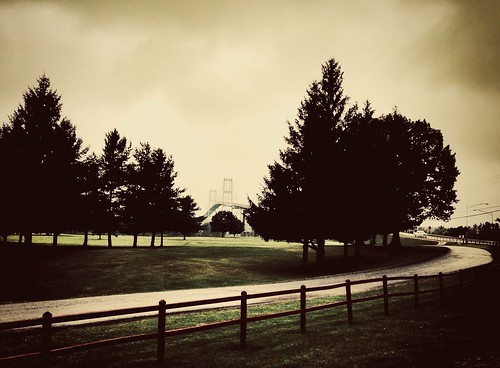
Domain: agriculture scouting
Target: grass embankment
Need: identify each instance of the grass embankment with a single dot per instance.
(42, 272)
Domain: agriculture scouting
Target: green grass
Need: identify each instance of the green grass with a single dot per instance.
(461, 331)
(46, 272)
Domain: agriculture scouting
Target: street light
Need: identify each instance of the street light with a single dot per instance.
(467, 219)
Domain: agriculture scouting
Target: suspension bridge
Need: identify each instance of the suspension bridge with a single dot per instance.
(226, 202)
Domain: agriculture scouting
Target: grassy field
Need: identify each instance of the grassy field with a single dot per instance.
(44, 272)
(461, 331)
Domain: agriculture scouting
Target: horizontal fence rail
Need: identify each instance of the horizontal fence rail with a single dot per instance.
(46, 323)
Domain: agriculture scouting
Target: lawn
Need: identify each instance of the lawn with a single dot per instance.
(42, 272)
(461, 331)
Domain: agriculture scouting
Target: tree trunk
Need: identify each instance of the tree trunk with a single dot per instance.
(305, 252)
(346, 249)
(28, 238)
(110, 242)
(320, 252)
(153, 237)
(134, 245)
(357, 248)
(374, 239)
(54, 239)
(20, 237)
(184, 238)
(384, 241)
(161, 238)
(396, 240)
(85, 238)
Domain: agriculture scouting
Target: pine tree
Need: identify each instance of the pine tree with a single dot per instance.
(113, 166)
(41, 152)
(187, 221)
(295, 204)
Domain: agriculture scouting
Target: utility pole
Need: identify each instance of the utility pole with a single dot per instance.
(467, 219)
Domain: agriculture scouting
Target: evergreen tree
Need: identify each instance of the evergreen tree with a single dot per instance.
(166, 194)
(152, 200)
(113, 166)
(297, 199)
(360, 191)
(187, 221)
(92, 204)
(41, 152)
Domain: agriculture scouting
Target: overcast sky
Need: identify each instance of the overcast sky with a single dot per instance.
(214, 82)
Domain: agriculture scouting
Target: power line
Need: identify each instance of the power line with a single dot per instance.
(490, 181)
(474, 215)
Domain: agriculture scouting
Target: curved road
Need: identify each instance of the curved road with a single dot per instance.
(457, 258)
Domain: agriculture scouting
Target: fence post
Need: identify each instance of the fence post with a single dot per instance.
(46, 339)
(441, 286)
(415, 280)
(160, 350)
(243, 321)
(386, 295)
(303, 309)
(349, 301)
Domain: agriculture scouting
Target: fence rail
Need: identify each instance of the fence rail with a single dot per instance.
(47, 321)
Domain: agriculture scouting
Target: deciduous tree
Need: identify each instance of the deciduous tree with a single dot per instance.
(226, 221)
(420, 173)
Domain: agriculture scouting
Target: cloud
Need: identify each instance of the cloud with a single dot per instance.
(213, 82)
(465, 46)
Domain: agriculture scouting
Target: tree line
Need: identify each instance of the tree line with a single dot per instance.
(483, 231)
(51, 183)
(346, 174)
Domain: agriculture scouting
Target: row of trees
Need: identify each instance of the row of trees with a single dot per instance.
(51, 183)
(484, 231)
(346, 174)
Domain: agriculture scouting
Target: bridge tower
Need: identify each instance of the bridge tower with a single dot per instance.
(226, 202)
(227, 193)
(212, 198)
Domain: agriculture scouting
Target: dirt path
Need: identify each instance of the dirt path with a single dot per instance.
(458, 258)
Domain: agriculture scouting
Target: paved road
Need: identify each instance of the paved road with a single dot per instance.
(458, 258)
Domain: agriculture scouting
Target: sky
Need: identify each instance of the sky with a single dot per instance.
(213, 83)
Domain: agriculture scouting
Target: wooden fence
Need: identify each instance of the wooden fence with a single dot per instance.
(47, 321)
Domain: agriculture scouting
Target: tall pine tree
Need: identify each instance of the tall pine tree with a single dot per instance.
(296, 202)
(113, 165)
(41, 152)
